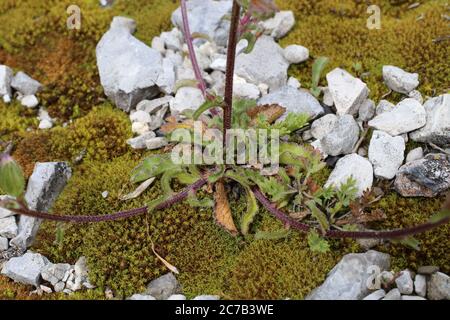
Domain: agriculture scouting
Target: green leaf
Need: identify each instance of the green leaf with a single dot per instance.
(317, 243)
(152, 166)
(251, 38)
(217, 175)
(409, 242)
(209, 104)
(319, 216)
(252, 205)
(12, 180)
(272, 235)
(317, 69)
(185, 83)
(439, 216)
(199, 35)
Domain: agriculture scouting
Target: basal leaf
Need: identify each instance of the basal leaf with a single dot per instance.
(317, 243)
(206, 106)
(152, 166)
(317, 69)
(12, 180)
(272, 235)
(319, 216)
(222, 210)
(411, 242)
(439, 216)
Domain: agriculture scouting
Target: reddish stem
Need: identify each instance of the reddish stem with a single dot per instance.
(388, 234)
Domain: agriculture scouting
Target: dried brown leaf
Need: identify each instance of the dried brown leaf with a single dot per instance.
(164, 261)
(222, 210)
(271, 111)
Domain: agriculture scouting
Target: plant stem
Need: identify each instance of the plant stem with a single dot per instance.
(189, 41)
(388, 234)
(115, 216)
(231, 60)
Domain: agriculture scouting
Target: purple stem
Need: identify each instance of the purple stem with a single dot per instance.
(388, 234)
(189, 41)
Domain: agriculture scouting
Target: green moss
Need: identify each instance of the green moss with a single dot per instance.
(15, 119)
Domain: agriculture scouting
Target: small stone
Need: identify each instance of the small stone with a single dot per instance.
(342, 137)
(54, 273)
(219, 64)
(6, 75)
(279, 25)
(306, 135)
(177, 297)
(368, 244)
(416, 95)
(88, 285)
(156, 143)
(45, 289)
(362, 152)
(264, 88)
(385, 278)
(81, 269)
(427, 270)
(405, 283)
(367, 110)
(8, 227)
(67, 291)
(376, 295)
(30, 101)
(25, 84)
(241, 46)
(124, 23)
(322, 126)
(414, 154)
(140, 116)
(439, 287)
(399, 80)
(6, 98)
(354, 166)
(294, 83)
(386, 154)
(3, 244)
(163, 287)
(207, 298)
(186, 98)
(141, 297)
(151, 106)
(317, 145)
(384, 106)
(140, 142)
(437, 128)
(420, 285)
(327, 97)
(159, 45)
(296, 54)
(412, 298)
(427, 177)
(173, 39)
(140, 128)
(45, 124)
(297, 101)
(347, 91)
(25, 269)
(109, 294)
(394, 294)
(245, 90)
(407, 116)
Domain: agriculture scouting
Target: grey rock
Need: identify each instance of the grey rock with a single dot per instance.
(279, 25)
(405, 282)
(368, 244)
(25, 269)
(327, 97)
(140, 116)
(3, 244)
(376, 295)
(297, 101)
(185, 99)
(414, 154)
(427, 270)
(384, 106)
(140, 142)
(6, 75)
(45, 124)
(8, 227)
(354, 166)
(219, 64)
(394, 294)
(129, 69)
(45, 289)
(163, 287)
(4, 213)
(166, 80)
(348, 279)
(265, 64)
(406, 297)
(150, 106)
(427, 177)
(420, 285)
(367, 110)
(437, 128)
(386, 153)
(407, 116)
(159, 45)
(347, 91)
(316, 144)
(30, 101)
(44, 186)
(207, 298)
(416, 95)
(294, 83)
(399, 80)
(342, 137)
(142, 297)
(322, 126)
(54, 273)
(81, 269)
(439, 287)
(124, 23)
(156, 143)
(178, 297)
(173, 39)
(25, 84)
(246, 90)
(385, 278)
(296, 54)
(306, 135)
(206, 17)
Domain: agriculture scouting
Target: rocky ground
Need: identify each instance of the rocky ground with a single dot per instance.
(383, 117)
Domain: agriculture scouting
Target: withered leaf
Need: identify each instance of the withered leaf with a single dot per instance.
(270, 111)
(164, 261)
(222, 210)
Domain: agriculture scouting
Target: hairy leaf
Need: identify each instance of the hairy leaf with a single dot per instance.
(271, 112)
(272, 235)
(319, 216)
(12, 180)
(317, 243)
(409, 242)
(152, 166)
(317, 69)
(222, 210)
(217, 101)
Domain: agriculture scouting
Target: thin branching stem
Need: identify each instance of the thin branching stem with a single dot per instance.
(387, 234)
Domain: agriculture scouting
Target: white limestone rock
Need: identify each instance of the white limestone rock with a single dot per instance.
(296, 54)
(25, 269)
(186, 98)
(342, 138)
(279, 25)
(399, 80)
(386, 153)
